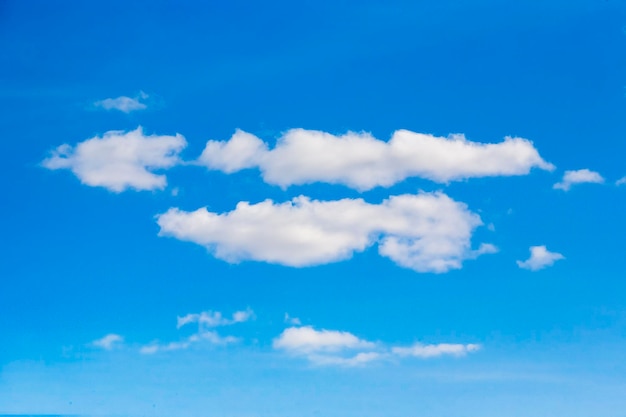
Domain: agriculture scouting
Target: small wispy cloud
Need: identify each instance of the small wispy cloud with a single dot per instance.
(210, 337)
(358, 359)
(621, 181)
(108, 342)
(214, 318)
(205, 320)
(420, 350)
(540, 257)
(580, 176)
(123, 103)
(292, 320)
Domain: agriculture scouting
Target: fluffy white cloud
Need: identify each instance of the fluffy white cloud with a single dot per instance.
(578, 177)
(428, 232)
(215, 318)
(363, 162)
(108, 342)
(326, 347)
(621, 181)
(420, 350)
(119, 160)
(123, 103)
(243, 150)
(540, 258)
(307, 340)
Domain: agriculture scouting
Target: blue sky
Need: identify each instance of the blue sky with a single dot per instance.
(313, 208)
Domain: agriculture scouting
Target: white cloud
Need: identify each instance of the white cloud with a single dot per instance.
(428, 232)
(207, 336)
(326, 347)
(578, 177)
(308, 340)
(420, 350)
(243, 150)
(540, 258)
(108, 342)
(621, 181)
(205, 321)
(363, 162)
(214, 318)
(123, 103)
(336, 348)
(119, 160)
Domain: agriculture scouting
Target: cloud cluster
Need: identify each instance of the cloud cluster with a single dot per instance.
(427, 232)
(331, 347)
(205, 320)
(540, 257)
(580, 176)
(363, 162)
(123, 103)
(119, 160)
(319, 347)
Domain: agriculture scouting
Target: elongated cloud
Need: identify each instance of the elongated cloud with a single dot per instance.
(363, 162)
(119, 160)
(540, 257)
(580, 176)
(340, 348)
(214, 318)
(428, 232)
(210, 337)
(123, 103)
(108, 342)
(420, 350)
(621, 181)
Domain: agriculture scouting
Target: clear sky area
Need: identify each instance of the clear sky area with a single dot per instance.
(313, 208)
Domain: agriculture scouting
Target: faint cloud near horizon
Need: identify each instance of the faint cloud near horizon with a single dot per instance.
(108, 342)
